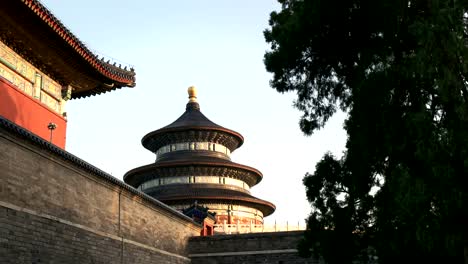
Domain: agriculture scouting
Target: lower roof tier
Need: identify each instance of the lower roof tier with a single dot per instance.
(190, 167)
(182, 193)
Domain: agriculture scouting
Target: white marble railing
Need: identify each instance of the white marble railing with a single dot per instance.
(255, 228)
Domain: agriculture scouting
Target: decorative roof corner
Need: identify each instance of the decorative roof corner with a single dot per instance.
(43, 40)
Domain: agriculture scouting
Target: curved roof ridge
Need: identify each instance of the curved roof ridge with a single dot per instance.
(131, 174)
(191, 119)
(190, 191)
(123, 76)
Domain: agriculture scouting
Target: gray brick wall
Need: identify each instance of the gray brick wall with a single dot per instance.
(271, 248)
(52, 210)
(255, 259)
(28, 238)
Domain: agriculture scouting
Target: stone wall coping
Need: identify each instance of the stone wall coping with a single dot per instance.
(22, 133)
(249, 236)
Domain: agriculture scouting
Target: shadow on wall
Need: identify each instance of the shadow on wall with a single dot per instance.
(8, 104)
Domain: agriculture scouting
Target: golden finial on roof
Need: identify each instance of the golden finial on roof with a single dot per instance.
(192, 92)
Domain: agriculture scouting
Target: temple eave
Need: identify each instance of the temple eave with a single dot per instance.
(203, 192)
(265, 207)
(100, 89)
(156, 139)
(43, 40)
(207, 168)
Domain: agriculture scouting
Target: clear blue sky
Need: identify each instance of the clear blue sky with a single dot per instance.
(218, 46)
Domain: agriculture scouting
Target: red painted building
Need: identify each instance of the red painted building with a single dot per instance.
(43, 65)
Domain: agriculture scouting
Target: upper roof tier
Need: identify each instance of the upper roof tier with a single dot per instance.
(32, 31)
(192, 126)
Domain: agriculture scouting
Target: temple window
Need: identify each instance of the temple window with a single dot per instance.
(195, 180)
(194, 146)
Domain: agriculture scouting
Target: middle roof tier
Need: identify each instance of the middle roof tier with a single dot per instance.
(201, 166)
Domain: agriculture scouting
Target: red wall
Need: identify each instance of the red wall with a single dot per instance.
(208, 229)
(30, 113)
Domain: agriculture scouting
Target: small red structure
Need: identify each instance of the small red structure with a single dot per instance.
(200, 214)
(42, 65)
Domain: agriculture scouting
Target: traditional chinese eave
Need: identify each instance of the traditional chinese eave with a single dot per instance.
(198, 192)
(144, 173)
(36, 34)
(192, 125)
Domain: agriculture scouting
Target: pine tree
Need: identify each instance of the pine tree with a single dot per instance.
(399, 69)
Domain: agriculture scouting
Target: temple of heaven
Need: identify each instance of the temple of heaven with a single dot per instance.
(193, 166)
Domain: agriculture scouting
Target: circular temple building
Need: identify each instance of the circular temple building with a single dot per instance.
(193, 166)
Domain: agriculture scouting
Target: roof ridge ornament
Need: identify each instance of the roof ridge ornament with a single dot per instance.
(193, 101)
(192, 92)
